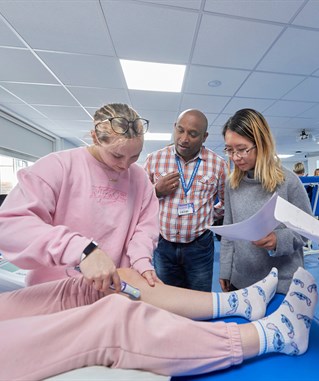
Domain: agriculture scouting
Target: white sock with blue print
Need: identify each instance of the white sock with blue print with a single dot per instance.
(250, 302)
(287, 329)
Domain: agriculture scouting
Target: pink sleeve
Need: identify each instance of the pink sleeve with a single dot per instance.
(27, 235)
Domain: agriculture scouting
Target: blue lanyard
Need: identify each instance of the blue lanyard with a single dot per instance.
(191, 180)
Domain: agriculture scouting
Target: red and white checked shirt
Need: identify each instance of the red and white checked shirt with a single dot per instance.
(208, 184)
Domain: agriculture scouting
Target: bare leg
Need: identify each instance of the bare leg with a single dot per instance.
(193, 304)
(250, 340)
(249, 303)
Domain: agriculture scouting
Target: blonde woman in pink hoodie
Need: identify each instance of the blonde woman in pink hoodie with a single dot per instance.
(91, 207)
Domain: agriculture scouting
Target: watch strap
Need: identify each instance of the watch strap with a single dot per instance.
(89, 249)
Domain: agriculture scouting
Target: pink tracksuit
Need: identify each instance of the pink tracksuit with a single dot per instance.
(58, 326)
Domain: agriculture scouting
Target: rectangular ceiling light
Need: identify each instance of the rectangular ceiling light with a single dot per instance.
(283, 156)
(157, 136)
(152, 76)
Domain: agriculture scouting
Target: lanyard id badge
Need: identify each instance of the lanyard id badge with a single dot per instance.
(184, 209)
(187, 187)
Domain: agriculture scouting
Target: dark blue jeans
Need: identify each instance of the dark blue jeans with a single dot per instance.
(187, 265)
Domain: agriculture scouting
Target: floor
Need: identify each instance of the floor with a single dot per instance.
(311, 264)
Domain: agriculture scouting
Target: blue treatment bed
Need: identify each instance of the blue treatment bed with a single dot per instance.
(272, 366)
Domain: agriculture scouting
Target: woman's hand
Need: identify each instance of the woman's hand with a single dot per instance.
(224, 284)
(100, 271)
(269, 242)
(151, 277)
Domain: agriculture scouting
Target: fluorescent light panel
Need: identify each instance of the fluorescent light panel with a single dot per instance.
(283, 156)
(157, 136)
(152, 76)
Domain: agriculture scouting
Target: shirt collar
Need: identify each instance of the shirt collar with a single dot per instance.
(201, 154)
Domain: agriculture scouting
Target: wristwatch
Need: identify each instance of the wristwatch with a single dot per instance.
(88, 250)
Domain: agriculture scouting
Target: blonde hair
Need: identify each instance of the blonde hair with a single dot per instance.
(112, 110)
(299, 169)
(253, 126)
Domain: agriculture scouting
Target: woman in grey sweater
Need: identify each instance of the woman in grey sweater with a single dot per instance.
(256, 175)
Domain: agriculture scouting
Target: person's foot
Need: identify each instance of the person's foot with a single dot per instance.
(287, 329)
(250, 302)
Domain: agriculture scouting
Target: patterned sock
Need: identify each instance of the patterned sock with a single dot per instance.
(250, 302)
(287, 329)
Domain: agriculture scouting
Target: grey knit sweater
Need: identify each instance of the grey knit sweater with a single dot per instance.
(242, 262)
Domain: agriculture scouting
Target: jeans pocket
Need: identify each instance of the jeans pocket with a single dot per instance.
(206, 240)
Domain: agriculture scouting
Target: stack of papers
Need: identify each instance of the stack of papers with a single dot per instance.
(277, 210)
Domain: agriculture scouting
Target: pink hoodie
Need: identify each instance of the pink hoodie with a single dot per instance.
(63, 202)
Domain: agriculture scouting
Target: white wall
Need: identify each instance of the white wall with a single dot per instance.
(313, 163)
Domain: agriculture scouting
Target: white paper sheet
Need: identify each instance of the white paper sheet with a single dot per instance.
(254, 228)
(275, 211)
(297, 220)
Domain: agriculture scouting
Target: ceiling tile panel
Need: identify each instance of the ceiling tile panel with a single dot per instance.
(96, 97)
(191, 4)
(149, 33)
(7, 36)
(230, 42)
(309, 15)
(267, 85)
(313, 112)
(205, 103)
(68, 26)
(19, 65)
(284, 108)
(41, 94)
(198, 79)
(56, 113)
(85, 70)
(292, 55)
(154, 100)
(308, 90)
(162, 117)
(238, 103)
(278, 10)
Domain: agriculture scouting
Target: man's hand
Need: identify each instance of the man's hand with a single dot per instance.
(167, 184)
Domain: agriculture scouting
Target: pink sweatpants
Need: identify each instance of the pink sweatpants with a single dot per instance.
(62, 325)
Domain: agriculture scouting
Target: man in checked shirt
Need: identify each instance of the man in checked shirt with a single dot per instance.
(188, 178)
